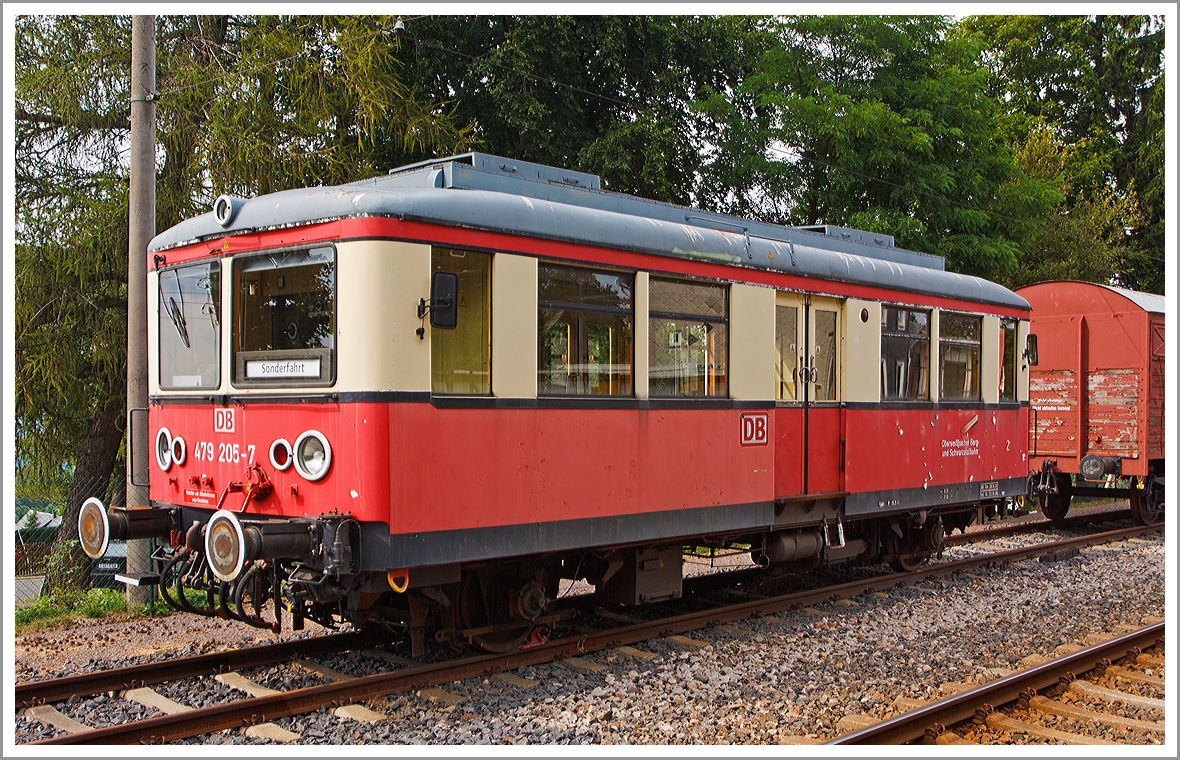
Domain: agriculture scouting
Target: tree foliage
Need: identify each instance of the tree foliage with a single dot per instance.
(882, 123)
(1096, 83)
(612, 95)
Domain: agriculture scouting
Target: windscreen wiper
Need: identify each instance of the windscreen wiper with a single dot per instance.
(178, 320)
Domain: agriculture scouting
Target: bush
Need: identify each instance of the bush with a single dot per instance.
(62, 605)
(100, 601)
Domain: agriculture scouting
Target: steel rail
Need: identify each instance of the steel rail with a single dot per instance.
(962, 706)
(256, 710)
(1079, 521)
(134, 676)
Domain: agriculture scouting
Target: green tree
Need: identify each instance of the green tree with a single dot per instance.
(1097, 83)
(882, 123)
(1082, 236)
(611, 95)
(250, 105)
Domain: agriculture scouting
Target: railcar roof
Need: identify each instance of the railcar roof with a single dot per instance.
(513, 197)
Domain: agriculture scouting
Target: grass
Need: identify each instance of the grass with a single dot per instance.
(62, 608)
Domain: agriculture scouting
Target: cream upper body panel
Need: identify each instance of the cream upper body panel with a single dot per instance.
(751, 350)
(379, 286)
(990, 360)
(514, 326)
(862, 350)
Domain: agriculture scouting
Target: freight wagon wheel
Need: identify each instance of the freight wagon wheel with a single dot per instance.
(1147, 503)
(1056, 505)
(485, 608)
(908, 563)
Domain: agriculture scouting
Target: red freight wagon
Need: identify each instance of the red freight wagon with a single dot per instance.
(1097, 394)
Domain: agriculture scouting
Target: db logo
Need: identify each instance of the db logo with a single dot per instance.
(223, 420)
(754, 429)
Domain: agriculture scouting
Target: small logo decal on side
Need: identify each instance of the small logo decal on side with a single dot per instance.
(223, 420)
(755, 428)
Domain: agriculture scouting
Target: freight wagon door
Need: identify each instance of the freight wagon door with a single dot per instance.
(823, 458)
(1054, 389)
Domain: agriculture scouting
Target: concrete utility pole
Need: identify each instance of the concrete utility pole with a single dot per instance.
(142, 199)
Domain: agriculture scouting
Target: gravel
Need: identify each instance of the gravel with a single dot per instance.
(788, 679)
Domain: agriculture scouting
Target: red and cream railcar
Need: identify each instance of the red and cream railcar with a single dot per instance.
(1097, 395)
(426, 398)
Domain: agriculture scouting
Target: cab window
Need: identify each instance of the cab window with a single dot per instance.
(284, 330)
(189, 328)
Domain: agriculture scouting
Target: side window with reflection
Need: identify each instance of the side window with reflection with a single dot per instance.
(586, 332)
(959, 340)
(1008, 359)
(786, 334)
(688, 338)
(190, 327)
(284, 330)
(460, 359)
(905, 354)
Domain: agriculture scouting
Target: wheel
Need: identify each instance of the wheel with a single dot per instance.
(1147, 503)
(920, 544)
(1055, 505)
(908, 563)
(489, 601)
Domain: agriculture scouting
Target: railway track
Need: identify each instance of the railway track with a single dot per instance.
(1080, 521)
(346, 694)
(38, 693)
(121, 679)
(1017, 704)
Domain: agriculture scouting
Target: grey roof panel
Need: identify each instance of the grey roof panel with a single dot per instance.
(1146, 301)
(423, 198)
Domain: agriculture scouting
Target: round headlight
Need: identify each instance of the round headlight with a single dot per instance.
(179, 450)
(280, 454)
(94, 528)
(313, 455)
(225, 545)
(164, 449)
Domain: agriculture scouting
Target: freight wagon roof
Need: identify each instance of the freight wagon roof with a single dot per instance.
(1061, 290)
(455, 193)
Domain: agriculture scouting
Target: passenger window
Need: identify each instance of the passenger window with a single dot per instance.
(285, 318)
(786, 332)
(190, 327)
(586, 337)
(958, 356)
(688, 339)
(460, 359)
(905, 354)
(825, 355)
(1008, 359)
